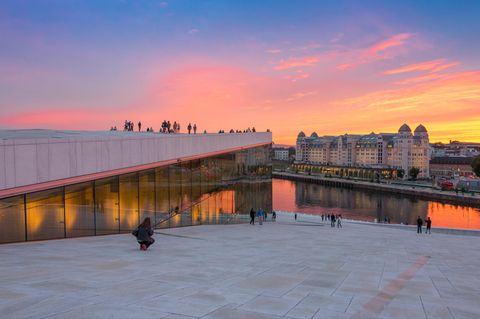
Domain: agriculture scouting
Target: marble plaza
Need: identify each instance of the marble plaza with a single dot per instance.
(286, 269)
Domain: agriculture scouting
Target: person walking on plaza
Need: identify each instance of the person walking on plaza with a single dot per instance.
(339, 221)
(295, 216)
(419, 225)
(144, 234)
(332, 220)
(323, 217)
(260, 216)
(189, 128)
(194, 128)
(139, 126)
(265, 214)
(429, 226)
(274, 216)
(252, 217)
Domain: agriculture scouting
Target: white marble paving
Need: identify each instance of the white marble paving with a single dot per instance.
(285, 269)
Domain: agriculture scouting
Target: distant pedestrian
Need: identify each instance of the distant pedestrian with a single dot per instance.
(295, 216)
(139, 126)
(339, 221)
(332, 220)
(260, 216)
(429, 226)
(189, 128)
(194, 128)
(265, 214)
(252, 217)
(274, 216)
(419, 225)
(323, 217)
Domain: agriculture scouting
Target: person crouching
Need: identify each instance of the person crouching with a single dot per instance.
(144, 234)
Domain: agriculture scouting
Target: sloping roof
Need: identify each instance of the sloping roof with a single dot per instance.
(420, 129)
(404, 128)
(457, 160)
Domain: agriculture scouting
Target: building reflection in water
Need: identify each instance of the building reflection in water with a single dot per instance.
(369, 206)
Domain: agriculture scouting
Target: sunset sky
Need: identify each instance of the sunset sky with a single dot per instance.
(327, 66)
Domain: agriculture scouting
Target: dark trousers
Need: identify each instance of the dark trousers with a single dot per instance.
(252, 220)
(147, 243)
(419, 229)
(428, 230)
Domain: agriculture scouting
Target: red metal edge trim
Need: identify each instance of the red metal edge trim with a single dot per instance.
(9, 192)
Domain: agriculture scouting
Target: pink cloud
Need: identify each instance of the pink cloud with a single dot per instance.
(393, 41)
(379, 51)
(273, 51)
(432, 66)
(421, 78)
(297, 62)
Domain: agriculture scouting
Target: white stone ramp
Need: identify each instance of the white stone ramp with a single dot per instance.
(286, 269)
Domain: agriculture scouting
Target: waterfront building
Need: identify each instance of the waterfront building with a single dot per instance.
(280, 153)
(402, 150)
(455, 149)
(57, 184)
(451, 167)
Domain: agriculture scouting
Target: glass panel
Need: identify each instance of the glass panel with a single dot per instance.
(129, 202)
(79, 210)
(12, 219)
(175, 179)
(204, 209)
(162, 197)
(196, 192)
(45, 215)
(147, 194)
(106, 206)
(186, 203)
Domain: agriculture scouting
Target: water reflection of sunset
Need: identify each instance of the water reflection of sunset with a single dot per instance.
(454, 216)
(369, 206)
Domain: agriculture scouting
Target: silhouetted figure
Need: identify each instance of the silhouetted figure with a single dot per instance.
(139, 126)
(252, 217)
(419, 225)
(295, 216)
(194, 128)
(189, 128)
(332, 220)
(429, 226)
(144, 234)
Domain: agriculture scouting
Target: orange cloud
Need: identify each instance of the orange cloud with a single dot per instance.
(433, 66)
(297, 62)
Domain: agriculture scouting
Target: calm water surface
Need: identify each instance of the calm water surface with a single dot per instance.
(368, 206)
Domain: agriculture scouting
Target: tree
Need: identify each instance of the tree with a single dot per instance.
(413, 172)
(476, 166)
(400, 173)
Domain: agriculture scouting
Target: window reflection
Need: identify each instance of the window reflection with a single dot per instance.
(79, 210)
(12, 219)
(106, 206)
(45, 215)
(129, 218)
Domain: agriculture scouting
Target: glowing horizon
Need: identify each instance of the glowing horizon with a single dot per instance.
(332, 67)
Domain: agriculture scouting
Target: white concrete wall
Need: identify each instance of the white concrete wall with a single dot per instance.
(30, 161)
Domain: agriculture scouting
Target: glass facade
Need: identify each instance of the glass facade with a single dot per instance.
(213, 190)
